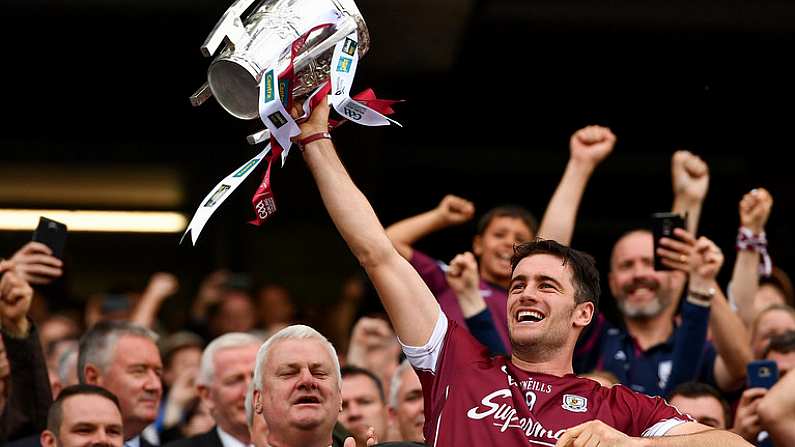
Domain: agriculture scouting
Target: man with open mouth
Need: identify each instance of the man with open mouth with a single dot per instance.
(531, 398)
(498, 230)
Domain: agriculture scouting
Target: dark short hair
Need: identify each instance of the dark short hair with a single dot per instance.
(585, 276)
(55, 415)
(782, 343)
(350, 371)
(515, 211)
(695, 390)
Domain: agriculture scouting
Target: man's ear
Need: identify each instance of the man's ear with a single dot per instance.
(583, 314)
(258, 405)
(611, 281)
(477, 245)
(47, 439)
(204, 394)
(92, 375)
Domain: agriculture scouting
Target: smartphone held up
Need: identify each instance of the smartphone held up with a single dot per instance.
(52, 234)
(663, 225)
(762, 374)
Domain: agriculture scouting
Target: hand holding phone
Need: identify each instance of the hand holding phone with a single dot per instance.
(39, 261)
(52, 234)
(663, 225)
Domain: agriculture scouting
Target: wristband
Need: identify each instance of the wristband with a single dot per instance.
(701, 298)
(747, 240)
(314, 137)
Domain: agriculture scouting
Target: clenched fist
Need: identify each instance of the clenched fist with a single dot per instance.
(16, 296)
(591, 144)
(454, 210)
(755, 209)
(689, 175)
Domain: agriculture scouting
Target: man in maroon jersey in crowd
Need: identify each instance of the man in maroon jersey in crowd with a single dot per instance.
(531, 398)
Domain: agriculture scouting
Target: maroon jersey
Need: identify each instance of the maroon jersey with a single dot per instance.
(474, 399)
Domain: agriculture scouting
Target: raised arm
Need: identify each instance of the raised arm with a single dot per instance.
(452, 210)
(161, 286)
(754, 211)
(732, 344)
(690, 180)
(588, 147)
(777, 411)
(729, 333)
(30, 395)
(408, 301)
(464, 280)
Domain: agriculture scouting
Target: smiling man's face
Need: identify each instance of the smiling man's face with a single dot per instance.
(494, 247)
(541, 307)
(639, 290)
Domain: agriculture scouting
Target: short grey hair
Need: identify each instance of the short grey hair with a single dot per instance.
(226, 341)
(397, 380)
(294, 332)
(67, 363)
(249, 405)
(98, 345)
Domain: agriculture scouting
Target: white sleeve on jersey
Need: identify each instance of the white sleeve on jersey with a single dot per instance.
(662, 427)
(426, 357)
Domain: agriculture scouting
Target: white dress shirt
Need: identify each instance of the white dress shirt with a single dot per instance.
(228, 440)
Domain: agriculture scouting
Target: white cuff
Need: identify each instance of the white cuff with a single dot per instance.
(425, 357)
(662, 427)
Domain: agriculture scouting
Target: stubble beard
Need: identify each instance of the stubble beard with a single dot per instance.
(645, 312)
(545, 346)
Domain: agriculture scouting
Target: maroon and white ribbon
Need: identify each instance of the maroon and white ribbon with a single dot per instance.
(747, 240)
(275, 98)
(213, 200)
(343, 69)
(275, 101)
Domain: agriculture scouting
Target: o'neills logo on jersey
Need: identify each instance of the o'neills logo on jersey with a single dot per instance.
(527, 385)
(532, 385)
(504, 416)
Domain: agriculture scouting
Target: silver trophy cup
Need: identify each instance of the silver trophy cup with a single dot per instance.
(263, 38)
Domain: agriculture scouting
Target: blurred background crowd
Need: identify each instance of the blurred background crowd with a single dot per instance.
(694, 98)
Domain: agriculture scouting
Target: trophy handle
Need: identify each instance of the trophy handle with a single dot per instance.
(202, 94)
(230, 26)
(345, 26)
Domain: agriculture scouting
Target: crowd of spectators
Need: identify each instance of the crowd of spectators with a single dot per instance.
(251, 368)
